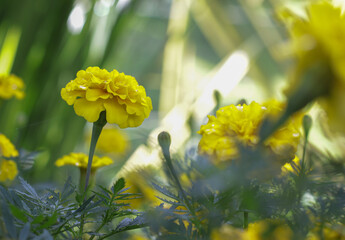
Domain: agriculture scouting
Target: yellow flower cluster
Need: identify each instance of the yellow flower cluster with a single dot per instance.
(8, 168)
(240, 124)
(96, 90)
(11, 85)
(81, 159)
(7, 149)
(113, 140)
(319, 39)
(265, 229)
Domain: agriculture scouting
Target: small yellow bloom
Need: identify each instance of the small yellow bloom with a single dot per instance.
(240, 124)
(96, 90)
(8, 170)
(319, 39)
(7, 149)
(11, 85)
(80, 160)
(113, 140)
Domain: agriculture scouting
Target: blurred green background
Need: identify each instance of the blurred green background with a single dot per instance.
(172, 47)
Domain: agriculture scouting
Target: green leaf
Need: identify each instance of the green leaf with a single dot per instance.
(165, 191)
(38, 219)
(9, 221)
(120, 184)
(24, 233)
(84, 205)
(18, 213)
(28, 188)
(5, 194)
(48, 222)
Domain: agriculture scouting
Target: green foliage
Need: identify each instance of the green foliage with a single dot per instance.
(66, 214)
(237, 195)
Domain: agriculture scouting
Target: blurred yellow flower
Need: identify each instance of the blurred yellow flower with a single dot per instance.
(335, 232)
(137, 183)
(294, 166)
(7, 149)
(96, 90)
(262, 230)
(11, 85)
(137, 237)
(228, 232)
(113, 140)
(319, 39)
(269, 230)
(240, 124)
(8, 170)
(80, 160)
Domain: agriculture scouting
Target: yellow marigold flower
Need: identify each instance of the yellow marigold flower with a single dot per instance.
(319, 38)
(113, 140)
(8, 170)
(11, 85)
(7, 149)
(96, 90)
(240, 124)
(80, 160)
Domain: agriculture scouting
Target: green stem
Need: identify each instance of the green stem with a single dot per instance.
(245, 219)
(96, 132)
(164, 141)
(167, 157)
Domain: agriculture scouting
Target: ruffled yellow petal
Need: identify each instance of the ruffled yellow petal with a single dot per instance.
(115, 112)
(89, 110)
(94, 94)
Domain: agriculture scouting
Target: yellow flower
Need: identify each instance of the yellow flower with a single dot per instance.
(137, 183)
(7, 149)
(11, 85)
(8, 170)
(228, 232)
(113, 140)
(294, 166)
(319, 39)
(96, 90)
(269, 230)
(334, 232)
(80, 160)
(240, 124)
